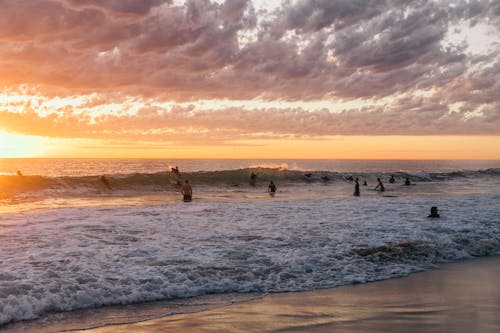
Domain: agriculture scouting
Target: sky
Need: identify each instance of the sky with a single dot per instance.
(333, 79)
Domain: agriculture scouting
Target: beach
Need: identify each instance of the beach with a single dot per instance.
(458, 297)
(463, 297)
(78, 255)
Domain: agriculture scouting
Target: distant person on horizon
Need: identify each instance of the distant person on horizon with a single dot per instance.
(187, 191)
(380, 186)
(392, 180)
(105, 181)
(19, 173)
(434, 212)
(271, 188)
(356, 187)
(253, 179)
(407, 181)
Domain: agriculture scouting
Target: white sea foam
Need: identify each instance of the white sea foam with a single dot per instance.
(71, 258)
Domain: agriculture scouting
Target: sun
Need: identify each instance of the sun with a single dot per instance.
(17, 145)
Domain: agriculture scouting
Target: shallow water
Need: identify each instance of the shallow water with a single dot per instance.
(65, 249)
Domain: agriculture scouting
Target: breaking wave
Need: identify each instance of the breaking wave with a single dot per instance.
(169, 181)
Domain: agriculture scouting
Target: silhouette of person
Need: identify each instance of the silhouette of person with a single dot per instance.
(364, 183)
(187, 191)
(380, 186)
(407, 181)
(175, 170)
(356, 187)
(105, 181)
(392, 180)
(19, 173)
(253, 179)
(434, 212)
(271, 188)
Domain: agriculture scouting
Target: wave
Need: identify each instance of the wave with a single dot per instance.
(169, 181)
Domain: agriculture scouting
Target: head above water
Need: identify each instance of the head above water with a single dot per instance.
(434, 212)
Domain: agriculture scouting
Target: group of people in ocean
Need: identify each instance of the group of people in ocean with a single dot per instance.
(380, 185)
(187, 191)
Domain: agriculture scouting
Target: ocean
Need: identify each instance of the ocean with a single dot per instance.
(73, 241)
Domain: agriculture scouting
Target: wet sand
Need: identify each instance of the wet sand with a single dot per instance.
(461, 297)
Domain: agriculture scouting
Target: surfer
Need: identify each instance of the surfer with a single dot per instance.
(380, 186)
(392, 180)
(434, 212)
(253, 179)
(175, 170)
(356, 187)
(271, 188)
(349, 178)
(105, 181)
(407, 181)
(187, 191)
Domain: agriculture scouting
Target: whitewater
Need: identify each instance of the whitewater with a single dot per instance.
(69, 243)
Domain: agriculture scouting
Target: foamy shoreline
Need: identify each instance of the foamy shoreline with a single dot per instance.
(458, 297)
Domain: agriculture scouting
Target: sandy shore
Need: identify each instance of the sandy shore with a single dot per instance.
(460, 297)
(463, 297)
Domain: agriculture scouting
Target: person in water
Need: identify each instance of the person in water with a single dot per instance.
(175, 170)
(105, 181)
(392, 180)
(407, 181)
(380, 186)
(356, 187)
(19, 173)
(365, 183)
(187, 191)
(253, 179)
(434, 212)
(271, 188)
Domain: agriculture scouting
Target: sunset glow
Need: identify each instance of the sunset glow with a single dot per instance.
(250, 79)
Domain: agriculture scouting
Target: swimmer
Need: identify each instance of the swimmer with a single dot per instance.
(380, 186)
(407, 181)
(392, 180)
(19, 173)
(271, 188)
(253, 179)
(356, 188)
(365, 183)
(187, 191)
(434, 212)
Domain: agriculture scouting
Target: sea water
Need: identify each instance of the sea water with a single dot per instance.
(70, 242)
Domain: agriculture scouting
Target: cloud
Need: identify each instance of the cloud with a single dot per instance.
(302, 51)
(406, 115)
